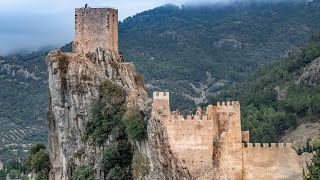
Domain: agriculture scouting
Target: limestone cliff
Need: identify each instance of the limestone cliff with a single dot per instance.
(74, 80)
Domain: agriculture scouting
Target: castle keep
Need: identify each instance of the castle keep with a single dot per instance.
(96, 27)
(212, 145)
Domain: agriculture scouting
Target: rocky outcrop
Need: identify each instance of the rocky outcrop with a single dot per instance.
(74, 80)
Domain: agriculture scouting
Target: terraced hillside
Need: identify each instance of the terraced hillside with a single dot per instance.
(23, 102)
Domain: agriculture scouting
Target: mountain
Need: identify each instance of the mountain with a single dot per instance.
(196, 51)
(193, 52)
(23, 102)
(279, 97)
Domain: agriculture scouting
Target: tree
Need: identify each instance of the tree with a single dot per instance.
(135, 127)
(83, 172)
(39, 161)
(3, 175)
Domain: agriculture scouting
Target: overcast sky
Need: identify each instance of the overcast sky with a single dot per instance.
(34, 23)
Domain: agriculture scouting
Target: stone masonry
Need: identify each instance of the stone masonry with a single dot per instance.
(96, 27)
(212, 145)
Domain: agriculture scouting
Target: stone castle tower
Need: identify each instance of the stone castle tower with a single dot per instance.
(96, 27)
(212, 146)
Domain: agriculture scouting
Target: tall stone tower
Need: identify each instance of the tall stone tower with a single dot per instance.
(96, 27)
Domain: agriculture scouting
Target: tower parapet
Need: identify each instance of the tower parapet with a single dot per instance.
(96, 28)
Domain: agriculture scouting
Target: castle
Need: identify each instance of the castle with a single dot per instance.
(211, 144)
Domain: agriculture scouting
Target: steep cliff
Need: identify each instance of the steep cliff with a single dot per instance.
(74, 81)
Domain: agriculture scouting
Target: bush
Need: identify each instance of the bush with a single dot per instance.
(42, 176)
(140, 166)
(39, 161)
(115, 173)
(107, 112)
(119, 155)
(135, 127)
(83, 172)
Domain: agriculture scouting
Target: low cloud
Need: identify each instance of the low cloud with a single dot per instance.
(35, 23)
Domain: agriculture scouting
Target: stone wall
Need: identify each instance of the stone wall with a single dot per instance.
(230, 141)
(96, 27)
(191, 140)
(280, 161)
(210, 144)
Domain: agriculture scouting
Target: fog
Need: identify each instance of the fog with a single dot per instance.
(28, 25)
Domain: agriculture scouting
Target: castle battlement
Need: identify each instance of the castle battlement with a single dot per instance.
(267, 145)
(161, 95)
(175, 117)
(228, 103)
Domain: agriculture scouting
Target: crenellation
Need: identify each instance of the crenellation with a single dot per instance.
(161, 95)
(280, 145)
(257, 145)
(213, 135)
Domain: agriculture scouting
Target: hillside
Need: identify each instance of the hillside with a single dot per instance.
(280, 97)
(192, 52)
(197, 51)
(23, 102)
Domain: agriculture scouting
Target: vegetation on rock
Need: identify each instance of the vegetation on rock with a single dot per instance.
(140, 165)
(135, 125)
(83, 172)
(107, 112)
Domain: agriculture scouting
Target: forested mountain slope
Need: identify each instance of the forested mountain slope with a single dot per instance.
(281, 96)
(23, 102)
(213, 46)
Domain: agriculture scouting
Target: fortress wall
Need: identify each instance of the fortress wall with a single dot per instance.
(96, 27)
(275, 161)
(230, 161)
(192, 140)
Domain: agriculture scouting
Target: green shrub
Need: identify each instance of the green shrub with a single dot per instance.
(135, 126)
(39, 161)
(83, 172)
(107, 112)
(140, 166)
(42, 176)
(115, 173)
(119, 155)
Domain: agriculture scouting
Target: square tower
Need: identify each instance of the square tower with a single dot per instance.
(94, 28)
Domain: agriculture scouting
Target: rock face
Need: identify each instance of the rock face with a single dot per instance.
(74, 80)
